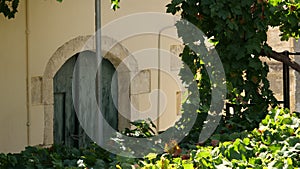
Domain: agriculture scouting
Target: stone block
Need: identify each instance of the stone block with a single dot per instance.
(141, 82)
(48, 127)
(275, 42)
(175, 60)
(36, 90)
(47, 91)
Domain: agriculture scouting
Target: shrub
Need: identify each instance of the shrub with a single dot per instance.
(274, 144)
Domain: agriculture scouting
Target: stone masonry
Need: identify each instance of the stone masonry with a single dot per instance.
(275, 75)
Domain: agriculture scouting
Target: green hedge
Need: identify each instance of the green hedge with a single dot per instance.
(274, 144)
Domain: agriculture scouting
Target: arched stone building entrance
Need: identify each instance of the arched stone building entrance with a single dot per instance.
(115, 54)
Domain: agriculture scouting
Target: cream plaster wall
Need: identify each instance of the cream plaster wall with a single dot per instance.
(13, 83)
(52, 24)
(131, 6)
(144, 49)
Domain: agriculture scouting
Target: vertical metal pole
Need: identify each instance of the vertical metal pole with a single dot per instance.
(98, 27)
(159, 75)
(99, 59)
(158, 84)
(286, 83)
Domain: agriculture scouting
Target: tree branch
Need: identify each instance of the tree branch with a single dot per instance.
(282, 58)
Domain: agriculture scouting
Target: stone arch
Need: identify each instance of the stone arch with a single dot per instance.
(113, 51)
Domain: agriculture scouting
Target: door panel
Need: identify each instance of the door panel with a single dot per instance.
(64, 114)
(59, 120)
(109, 92)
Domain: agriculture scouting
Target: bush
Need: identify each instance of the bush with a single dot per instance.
(274, 144)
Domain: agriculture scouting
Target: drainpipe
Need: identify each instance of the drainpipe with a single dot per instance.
(159, 73)
(99, 58)
(98, 27)
(28, 85)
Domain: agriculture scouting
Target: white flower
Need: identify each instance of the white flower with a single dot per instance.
(80, 163)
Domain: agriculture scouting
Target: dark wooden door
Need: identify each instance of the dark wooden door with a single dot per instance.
(109, 90)
(67, 129)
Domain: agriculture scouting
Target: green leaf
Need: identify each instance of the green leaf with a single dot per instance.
(287, 120)
(151, 156)
(115, 4)
(246, 141)
(176, 2)
(187, 164)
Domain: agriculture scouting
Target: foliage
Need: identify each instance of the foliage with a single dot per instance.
(238, 30)
(274, 144)
(9, 8)
(142, 129)
(115, 4)
(59, 156)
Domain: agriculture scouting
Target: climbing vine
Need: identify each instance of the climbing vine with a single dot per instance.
(238, 30)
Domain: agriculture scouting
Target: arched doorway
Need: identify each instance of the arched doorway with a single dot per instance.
(67, 129)
(115, 55)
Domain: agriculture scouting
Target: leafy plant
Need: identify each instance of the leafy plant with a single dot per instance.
(275, 143)
(238, 31)
(141, 128)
